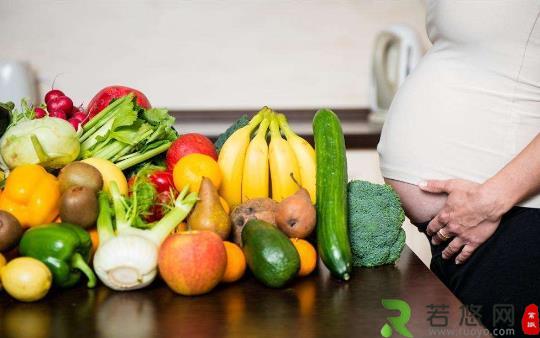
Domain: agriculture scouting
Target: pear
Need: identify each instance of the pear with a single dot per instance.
(295, 215)
(208, 213)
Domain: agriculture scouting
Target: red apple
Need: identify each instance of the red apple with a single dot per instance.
(192, 262)
(189, 144)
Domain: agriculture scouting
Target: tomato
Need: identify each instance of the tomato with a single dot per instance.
(162, 180)
(158, 210)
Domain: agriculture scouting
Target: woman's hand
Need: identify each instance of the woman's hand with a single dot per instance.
(468, 239)
(470, 215)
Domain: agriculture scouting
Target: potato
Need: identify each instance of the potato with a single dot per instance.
(263, 209)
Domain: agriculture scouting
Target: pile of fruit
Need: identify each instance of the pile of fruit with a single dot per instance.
(113, 194)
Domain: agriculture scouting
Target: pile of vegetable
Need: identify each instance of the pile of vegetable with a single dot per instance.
(194, 212)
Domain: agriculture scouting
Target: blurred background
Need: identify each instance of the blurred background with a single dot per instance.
(234, 54)
(211, 61)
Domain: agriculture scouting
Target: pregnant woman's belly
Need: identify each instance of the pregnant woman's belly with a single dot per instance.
(470, 106)
(418, 205)
(456, 117)
(434, 131)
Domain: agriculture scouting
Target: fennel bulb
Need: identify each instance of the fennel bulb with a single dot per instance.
(127, 257)
(126, 262)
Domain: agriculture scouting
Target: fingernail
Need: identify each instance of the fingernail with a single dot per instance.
(422, 184)
(458, 261)
(445, 257)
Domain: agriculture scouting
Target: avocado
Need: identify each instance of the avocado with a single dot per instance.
(270, 254)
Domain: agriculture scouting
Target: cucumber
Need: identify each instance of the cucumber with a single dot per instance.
(332, 233)
(270, 255)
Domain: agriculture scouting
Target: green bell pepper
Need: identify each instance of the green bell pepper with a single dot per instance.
(64, 248)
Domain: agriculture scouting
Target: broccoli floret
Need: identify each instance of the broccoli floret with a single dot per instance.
(241, 122)
(375, 219)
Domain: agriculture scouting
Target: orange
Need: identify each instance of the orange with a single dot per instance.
(236, 263)
(180, 228)
(192, 168)
(95, 239)
(308, 256)
(225, 205)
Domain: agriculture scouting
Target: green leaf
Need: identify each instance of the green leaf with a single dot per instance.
(132, 134)
(104, 137)
(145, 192)
(158, 116)
(123, 120)
(25, 113)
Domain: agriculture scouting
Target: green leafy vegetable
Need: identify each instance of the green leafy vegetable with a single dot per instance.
(18, 115)
(127, 134)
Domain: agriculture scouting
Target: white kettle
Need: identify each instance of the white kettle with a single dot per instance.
(17, 81)
(397, 51)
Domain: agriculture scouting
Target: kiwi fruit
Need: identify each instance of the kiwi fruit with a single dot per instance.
(79, 205)
(10, 231)
(80, 174)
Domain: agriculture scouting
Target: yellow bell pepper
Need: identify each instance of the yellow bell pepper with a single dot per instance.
(32, 195)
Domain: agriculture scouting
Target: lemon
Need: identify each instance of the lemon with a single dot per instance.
(26, 279)
(110, 172)
(2, 263)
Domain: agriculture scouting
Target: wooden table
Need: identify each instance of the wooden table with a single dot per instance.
(317, 306)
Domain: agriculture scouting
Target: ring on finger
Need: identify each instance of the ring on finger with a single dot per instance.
(442, 236)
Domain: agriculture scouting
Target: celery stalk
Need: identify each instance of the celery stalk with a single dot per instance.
(143, 157)
(104, 222)
(99, 119)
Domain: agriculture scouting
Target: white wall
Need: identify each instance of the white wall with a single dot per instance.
(205, 54)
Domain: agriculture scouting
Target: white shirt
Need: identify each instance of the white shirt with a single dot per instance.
(473, 102)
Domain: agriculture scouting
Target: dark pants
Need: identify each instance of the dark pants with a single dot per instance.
(503, 270)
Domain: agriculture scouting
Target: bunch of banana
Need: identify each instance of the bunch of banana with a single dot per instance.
(250, 166)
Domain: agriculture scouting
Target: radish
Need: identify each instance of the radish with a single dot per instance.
(76, 110)
(58, 113)
(53, 94)
(39, 113)
(74, 122)
(62, 103)
(80, 116)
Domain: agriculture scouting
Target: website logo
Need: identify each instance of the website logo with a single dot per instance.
(396, 323)
(530, 322)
